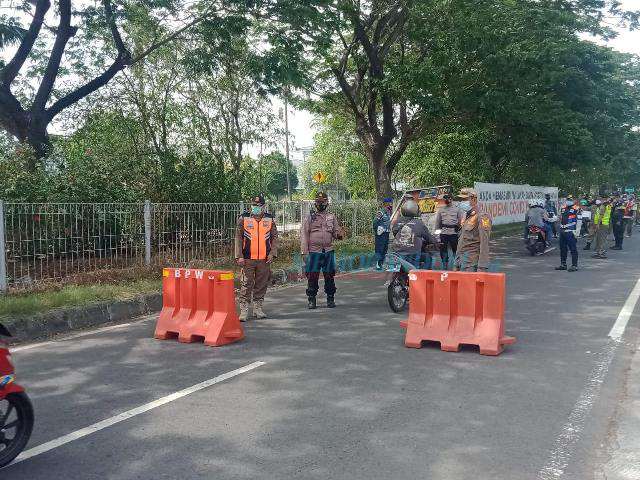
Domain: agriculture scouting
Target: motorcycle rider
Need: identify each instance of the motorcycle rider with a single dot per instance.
(411, 236)
(448, 219)
(536, 216)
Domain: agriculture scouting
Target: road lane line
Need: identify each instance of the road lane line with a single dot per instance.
(570, 434)
(86, 333)
(83, 432)
(625, 314)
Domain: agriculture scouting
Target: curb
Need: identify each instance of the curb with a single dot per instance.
(64, 320)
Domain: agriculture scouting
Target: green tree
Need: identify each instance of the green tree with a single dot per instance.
(268, 175)
(88, 47)
(404, 70)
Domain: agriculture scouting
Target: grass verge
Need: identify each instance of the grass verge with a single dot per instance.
(73, 295)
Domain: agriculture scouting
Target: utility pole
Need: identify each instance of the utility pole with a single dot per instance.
(260, 170)
(286, 136)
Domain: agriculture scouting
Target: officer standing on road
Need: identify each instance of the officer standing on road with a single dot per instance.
(317, 233)
(568, 240)
(617, 222)
(473, 245)
(552, 211)
(448, 219)
(381, 229)
(601, 222)
(256, 246)
(591, 226)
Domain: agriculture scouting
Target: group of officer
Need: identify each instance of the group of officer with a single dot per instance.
(464, 230)
(256, 246)
(598, 218)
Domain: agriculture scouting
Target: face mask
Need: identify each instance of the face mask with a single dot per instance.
(256, 210)
(464, 206)
(321, 207)
(569, 203)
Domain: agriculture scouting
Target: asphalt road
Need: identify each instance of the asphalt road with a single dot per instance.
(340, 397)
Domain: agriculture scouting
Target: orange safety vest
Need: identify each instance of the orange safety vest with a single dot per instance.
(256, 243)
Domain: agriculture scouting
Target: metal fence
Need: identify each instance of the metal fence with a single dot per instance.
(54, 241)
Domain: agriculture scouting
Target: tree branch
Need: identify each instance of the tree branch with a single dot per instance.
(86, 89)
(64, 33)
(11, 69)
(117, 38)
(172, 36)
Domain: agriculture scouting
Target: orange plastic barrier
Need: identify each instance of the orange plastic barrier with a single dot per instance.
(456, 308)
(198, 305)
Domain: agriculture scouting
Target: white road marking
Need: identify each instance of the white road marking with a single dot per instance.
(85, 333)
(83, 432)
(571, 431)
(625, 314)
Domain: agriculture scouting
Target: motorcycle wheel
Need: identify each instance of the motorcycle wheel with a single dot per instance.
(532, 249)
(16, 425)
(398, 293)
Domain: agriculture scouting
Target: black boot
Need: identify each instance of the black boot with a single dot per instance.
(562, 267)
(312, 303)
(587, 246)
(331, 303)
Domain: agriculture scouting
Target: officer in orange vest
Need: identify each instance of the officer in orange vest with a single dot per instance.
(256, 246)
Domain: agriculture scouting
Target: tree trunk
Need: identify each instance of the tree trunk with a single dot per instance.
(31, 130)
(381, 175)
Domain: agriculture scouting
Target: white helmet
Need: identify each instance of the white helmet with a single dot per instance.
(410, 209)
(533, 203)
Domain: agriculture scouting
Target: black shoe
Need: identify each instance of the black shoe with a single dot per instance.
(587, 246)
(312, 303)
(616, 248)
(561, 267)
(331, 303)
(573, 268)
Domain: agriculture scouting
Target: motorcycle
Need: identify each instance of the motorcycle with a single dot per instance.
(535, 241)
(16, 411)
(398, 280)
(398, 283)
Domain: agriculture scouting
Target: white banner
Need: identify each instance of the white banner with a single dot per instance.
(509, 203)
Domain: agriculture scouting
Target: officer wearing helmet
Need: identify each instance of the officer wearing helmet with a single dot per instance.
(411, 235)
(473, 246)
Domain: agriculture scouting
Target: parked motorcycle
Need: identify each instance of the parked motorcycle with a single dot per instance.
(535, 241)
(16, 411)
